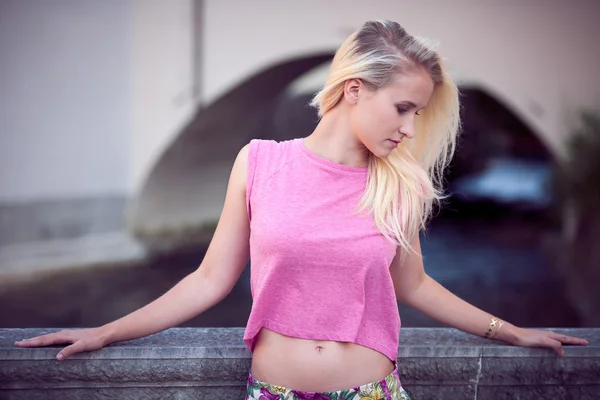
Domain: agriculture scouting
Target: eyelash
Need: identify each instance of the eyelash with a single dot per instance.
(403, 110)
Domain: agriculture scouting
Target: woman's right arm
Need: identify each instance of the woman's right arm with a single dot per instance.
(214, 279)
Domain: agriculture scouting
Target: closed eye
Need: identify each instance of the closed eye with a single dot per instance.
(402, 110)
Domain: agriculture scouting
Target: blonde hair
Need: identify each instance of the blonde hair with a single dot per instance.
(412, 175)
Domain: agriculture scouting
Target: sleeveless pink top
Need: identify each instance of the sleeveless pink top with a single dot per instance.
(318, 270)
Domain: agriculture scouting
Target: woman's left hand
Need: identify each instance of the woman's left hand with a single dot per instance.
(535, 338)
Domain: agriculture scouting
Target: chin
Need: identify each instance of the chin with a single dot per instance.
(379, 150)
(382, 152)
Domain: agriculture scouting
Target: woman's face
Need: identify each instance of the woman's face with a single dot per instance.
(381, 119)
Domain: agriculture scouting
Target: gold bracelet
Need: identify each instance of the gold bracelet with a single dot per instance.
(495, 322)
(500, 323)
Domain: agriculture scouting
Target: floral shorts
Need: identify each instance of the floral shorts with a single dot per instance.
(388, 388)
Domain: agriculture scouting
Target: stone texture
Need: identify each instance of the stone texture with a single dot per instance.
(438, 370)
(440, 392)
(540, 392)
(146, 393)
(213, 363)
(175, 372)
(515, 371)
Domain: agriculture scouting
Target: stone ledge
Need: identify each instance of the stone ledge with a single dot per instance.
(23, 262)
(213, 363)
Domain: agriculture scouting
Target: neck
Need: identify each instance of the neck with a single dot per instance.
(333, 140)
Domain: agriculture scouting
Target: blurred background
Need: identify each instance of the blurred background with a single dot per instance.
(120, 121)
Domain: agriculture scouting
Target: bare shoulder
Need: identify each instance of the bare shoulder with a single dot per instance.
(243, 154)
(239, 171)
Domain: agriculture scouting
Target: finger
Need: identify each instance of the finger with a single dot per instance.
(568, 339)
(68, 351)
(45, 340)
(554, 344)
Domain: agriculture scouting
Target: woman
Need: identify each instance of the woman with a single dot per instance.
(331, 223)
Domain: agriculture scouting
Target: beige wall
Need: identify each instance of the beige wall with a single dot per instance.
(64, 107)
(164, 93)
(92, 92)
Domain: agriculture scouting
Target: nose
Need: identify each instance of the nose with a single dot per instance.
(407, 131)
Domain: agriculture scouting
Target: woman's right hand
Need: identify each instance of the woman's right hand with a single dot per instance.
(80, 340)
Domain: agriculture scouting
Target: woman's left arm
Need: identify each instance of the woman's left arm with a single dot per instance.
(418, 290)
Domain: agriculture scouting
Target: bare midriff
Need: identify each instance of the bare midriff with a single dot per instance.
(315, 365)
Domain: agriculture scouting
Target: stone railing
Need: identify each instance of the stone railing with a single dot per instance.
(213, 363)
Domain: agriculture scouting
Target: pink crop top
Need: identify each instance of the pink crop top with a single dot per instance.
(318, 270)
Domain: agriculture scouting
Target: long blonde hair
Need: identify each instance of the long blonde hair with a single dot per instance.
(402, 188)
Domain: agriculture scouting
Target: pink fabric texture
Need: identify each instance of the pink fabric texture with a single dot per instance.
(319, 270)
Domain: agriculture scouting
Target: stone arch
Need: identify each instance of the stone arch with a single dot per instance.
(184, 192)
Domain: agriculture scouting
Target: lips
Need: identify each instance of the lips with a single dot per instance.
(394, 142)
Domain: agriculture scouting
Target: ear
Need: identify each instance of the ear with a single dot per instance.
(352, 87)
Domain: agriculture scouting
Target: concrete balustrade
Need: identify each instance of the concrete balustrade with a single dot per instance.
(213, 363)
